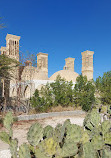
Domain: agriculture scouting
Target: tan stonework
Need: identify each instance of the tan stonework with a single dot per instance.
(69, 64)
(3, 50)
(87, 64)
(68, 75)
(30, 77)
(12, 46)
(42, 61)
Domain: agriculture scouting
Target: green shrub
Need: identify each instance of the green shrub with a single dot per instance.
(84, 93)
(62, 93)
(57, 93)
(37, 102)
(103, 86)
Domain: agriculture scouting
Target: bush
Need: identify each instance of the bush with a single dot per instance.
(57, 93)
(62, 93)
(103, 86)
(37, 102)
(84, 93)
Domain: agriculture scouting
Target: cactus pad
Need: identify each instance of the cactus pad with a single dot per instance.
(69, 149)
(59, 133)
(49, 146)
(108, 138)
(98, 142)
(5, 137)
(13, 148)
(48, 131)
(24, 151)
(92, 119)
(73, 133)
(35, 134)
(106, 125)
(88, 151)
(8, 121)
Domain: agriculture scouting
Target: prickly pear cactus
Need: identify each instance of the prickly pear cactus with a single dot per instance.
(35, 134)
(94, 131)
(80, 152)
(92, 120)
(5, 137)
(48, 132)
(97, 142)
(24, 151)
(8, 121)
(105, 127)
(104, 109)
(67, 123)
(85, 137)
(69, 149)
(40, 154)
(107, 138)
(69, 140)
(73, 133)
(48, 146)
(13, 147)
(89, 151)
(106, 153)
(58, 133)
(109, 109)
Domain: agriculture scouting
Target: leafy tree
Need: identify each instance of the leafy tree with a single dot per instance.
(58, 88)
(47, 93)
(62, 91)
(37, 102)
(7, 66)
(57, 93)
(103, 86)
(84, 93)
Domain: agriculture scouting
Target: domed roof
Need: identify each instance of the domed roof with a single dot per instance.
(66, 74)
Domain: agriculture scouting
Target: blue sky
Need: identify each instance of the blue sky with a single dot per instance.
(61, 28)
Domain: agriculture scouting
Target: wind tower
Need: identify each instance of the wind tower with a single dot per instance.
(87, 64)
(69, 65)
(12, 51)
(12, 46)
(42, 65)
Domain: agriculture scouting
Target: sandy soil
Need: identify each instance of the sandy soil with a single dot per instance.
(20, 128)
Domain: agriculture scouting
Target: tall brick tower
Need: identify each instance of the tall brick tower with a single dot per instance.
(42, 65)
(69, 64)
(42, 61)
(87, 64)
(11, 50)
(12, 46)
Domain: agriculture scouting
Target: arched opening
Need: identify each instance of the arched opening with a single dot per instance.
(27, 92)
(14, 92)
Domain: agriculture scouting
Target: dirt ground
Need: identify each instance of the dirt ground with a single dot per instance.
(20, 128)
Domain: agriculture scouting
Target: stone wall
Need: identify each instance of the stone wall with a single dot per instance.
(51, 114)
